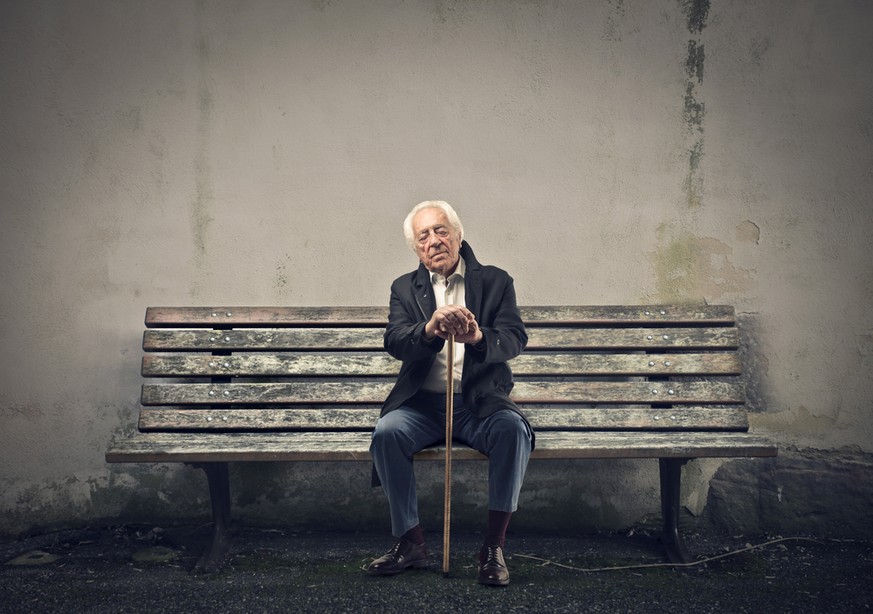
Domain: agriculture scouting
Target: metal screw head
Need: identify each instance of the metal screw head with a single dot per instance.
(648, 313)
(671, 391)
(209, 418)
(649, 337)
(212, 393)
(651, 363)
(654, 391)
(673, 418)
(663, 313)
(212, 339)
(227, 393)
(224, 418)
(667, 363)
(227, 339)
(229, 314)
(666, 337)
(227, 365)
(214, 315)
(657, 417)
(211, 364)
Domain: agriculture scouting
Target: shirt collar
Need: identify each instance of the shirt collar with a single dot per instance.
(460, 271)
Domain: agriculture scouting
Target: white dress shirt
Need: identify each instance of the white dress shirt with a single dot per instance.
(451, 291)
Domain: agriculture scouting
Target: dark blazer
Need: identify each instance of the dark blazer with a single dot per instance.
(490, 295)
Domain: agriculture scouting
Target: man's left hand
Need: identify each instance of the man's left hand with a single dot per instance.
(454, 320)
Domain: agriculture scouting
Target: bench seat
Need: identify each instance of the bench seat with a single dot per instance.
(255, 384)
(354, 446)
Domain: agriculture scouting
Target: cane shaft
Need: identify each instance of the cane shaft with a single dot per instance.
(447, 500)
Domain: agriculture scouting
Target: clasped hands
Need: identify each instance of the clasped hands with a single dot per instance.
(454, 320)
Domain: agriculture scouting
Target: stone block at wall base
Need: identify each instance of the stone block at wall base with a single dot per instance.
(800, 492)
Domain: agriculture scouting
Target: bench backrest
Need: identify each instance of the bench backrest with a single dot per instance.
(305, 369)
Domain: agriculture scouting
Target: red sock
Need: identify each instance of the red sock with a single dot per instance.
(498, 522)
(415, 535)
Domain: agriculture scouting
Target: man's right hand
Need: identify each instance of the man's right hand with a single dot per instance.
(453, 320)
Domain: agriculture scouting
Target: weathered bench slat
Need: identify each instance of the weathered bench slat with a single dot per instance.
(222, 317)
(363, 419)
(629, 392)
(225, 317)
(632, 338)
(363, 391)
(594, 315)
(656, 338)
(298, 364)
(354, 446)
(380, 364)
(254, 339)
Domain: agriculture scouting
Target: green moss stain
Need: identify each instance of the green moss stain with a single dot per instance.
(675, 268)
(692, 269)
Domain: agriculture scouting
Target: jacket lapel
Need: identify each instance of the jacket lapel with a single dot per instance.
(472, 281)
(423, 291)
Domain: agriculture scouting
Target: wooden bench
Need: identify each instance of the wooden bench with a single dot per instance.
(305, 384)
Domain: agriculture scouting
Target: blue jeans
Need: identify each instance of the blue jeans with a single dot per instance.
(504, 437)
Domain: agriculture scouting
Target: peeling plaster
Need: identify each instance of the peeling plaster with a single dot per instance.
(690, 268)
(799, 422)
(695, 483)
(749, 232)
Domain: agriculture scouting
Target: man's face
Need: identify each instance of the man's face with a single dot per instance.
(437, 243)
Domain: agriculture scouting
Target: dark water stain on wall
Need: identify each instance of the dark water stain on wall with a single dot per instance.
(696, 12)
(694, 62)
(694, 109)
(199, 216)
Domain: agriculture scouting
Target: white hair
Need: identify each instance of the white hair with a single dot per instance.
(445, 207)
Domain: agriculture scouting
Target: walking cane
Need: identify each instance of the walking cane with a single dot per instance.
(447, 500)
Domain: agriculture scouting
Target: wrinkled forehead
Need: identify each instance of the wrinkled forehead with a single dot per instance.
(430, 218)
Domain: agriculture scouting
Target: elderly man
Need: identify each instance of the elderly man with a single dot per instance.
(450, 293)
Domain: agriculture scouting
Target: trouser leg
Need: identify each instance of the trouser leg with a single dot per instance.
(398, 436)
(506, 439)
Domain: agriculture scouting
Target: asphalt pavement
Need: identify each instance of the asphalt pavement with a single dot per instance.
(147, 569)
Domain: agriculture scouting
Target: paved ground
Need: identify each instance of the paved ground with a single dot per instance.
(138, 569)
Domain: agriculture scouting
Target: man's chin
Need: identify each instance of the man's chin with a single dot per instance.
(441, 263)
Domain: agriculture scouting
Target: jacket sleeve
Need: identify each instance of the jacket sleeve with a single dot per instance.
(404, 336)
(504, 333)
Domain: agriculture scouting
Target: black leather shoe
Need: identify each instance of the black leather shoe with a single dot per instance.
(492, 567)
(403, 555)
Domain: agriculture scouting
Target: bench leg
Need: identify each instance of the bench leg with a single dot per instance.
(219, 492)
(671, 474)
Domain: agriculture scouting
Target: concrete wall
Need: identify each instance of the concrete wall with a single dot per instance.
(231, 152)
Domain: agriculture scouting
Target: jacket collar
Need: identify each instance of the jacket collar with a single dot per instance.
(472, 283)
